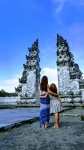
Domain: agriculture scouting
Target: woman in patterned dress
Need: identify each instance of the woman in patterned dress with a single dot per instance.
(55, 104)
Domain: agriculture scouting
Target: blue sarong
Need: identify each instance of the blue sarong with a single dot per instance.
(44, 110)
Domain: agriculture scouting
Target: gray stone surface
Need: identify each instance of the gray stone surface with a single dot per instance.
(73, 112)
(70, 135)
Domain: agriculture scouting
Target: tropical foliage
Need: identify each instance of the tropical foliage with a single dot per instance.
(4, 93)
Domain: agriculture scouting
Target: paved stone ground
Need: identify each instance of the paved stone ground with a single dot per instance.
(70, 136)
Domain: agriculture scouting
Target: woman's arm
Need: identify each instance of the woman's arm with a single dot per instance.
(59, 99)
(50, 92)
(39, 91)
(44, 95)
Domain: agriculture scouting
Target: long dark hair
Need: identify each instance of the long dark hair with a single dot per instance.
(44, 83)
(53, 88)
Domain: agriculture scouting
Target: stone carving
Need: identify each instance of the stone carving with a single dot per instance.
(27, 90)
(63, 80)
(70, 81)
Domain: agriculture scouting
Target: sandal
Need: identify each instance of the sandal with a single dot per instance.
(43, 126)
(56, 126)
(46, 126)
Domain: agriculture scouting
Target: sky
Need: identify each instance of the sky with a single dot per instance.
(23, 21)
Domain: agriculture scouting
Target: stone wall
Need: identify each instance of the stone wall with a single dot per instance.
(8, 100)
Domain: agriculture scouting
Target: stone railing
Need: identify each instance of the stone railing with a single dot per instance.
(8, 100)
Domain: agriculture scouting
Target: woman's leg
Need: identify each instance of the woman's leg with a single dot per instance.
(47, 118)
(46, 124)
(57, 119)
(43, 125)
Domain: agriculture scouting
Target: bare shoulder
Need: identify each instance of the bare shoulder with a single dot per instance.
(39, 86)
(48, 85)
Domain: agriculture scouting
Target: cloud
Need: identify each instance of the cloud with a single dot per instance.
(59, 8)
(10, 84)
(82, 3)
(51, 73)
(59, 5)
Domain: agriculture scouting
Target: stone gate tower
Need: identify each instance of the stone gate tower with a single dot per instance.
(70, 80)
(28, 87)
